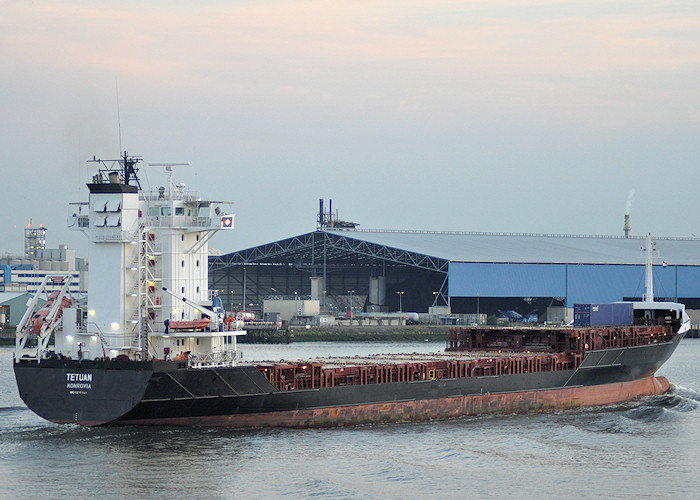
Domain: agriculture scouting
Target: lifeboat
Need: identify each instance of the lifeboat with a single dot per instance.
(189, 325)
(40, 317)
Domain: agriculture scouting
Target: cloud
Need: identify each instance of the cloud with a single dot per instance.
(591, 63)
(152, 40)
(525, 92)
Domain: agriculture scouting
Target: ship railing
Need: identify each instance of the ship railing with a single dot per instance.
(171, 221)
(158, 221)
(202, 221)
(222, 358)
(649, 321)
(110, 234)
(184, 195)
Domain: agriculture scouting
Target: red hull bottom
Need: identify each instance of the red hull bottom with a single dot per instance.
(405, 411)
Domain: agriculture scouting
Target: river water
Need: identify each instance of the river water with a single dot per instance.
(648, 448)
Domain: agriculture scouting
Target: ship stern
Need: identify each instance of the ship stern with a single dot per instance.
(82, 392)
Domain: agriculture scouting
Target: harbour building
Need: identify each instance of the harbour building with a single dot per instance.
(446, 275)
(24, 273)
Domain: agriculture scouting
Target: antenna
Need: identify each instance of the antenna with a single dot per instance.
(126, 165)
(169, 170)
(119, 117)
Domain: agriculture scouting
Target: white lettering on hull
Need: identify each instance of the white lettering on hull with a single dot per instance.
(79, 386)
(80, 383)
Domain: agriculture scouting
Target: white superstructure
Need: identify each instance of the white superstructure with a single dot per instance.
(141, 243)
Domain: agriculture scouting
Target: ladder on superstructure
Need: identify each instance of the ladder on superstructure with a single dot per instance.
(148, 265)
(150, 269)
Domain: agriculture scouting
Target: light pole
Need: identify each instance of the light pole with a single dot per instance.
(477, 310)
(350, 309)
(298, 306)
(400, 294)
(435, 299)
(245, 277)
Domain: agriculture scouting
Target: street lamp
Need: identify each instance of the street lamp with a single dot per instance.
(477, 309)
(400, 294)
(351, 292)
(298, 305)
(435, 299)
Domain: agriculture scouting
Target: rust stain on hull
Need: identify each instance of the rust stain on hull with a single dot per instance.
(404, 411)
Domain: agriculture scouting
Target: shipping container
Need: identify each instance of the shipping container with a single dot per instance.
(615, 313)
(582, 314)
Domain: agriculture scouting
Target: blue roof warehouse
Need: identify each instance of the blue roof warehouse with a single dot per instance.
(378, 270)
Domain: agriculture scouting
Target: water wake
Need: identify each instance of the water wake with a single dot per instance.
(684, 392)
(12, 409)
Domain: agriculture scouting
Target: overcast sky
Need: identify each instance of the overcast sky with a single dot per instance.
(498, 116)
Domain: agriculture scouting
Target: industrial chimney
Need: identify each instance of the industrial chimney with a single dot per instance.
(627, 225)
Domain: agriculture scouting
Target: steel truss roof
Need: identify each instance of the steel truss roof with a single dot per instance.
(338, 247)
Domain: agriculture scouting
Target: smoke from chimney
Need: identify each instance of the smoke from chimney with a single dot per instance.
(630, 202)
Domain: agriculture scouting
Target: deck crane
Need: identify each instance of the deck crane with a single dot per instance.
(216, 318)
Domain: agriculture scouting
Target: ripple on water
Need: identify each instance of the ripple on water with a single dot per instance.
(594, 452)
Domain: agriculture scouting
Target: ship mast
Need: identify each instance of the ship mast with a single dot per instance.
(649, 291)
(169, 170)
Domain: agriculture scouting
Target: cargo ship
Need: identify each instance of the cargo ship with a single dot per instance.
(153, 346)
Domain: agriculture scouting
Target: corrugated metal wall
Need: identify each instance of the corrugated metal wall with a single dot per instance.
(688, 281)
(580, 283)
(506, 280)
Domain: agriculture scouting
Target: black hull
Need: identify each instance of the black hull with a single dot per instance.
(160, 393)
(82, 392)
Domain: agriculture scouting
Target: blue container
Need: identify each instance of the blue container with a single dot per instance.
(613, 314)
(582, 314)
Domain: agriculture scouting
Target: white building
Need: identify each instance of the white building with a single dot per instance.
(25, 273)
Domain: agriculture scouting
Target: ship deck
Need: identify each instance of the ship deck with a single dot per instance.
(470, 352)
(398, 358)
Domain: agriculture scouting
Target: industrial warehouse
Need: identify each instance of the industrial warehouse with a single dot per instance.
(339, 275)
(338, 271)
